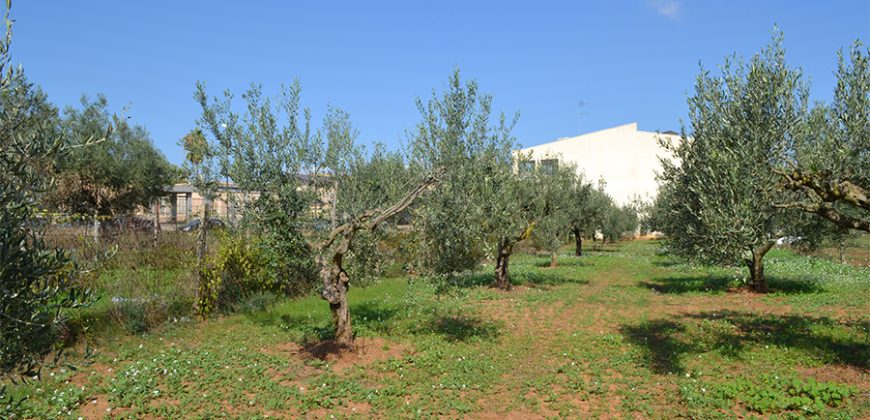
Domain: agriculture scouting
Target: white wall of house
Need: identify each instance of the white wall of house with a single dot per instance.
(625, 157)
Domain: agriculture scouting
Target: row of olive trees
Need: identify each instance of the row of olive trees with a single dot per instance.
(761, 163)
(457, 181)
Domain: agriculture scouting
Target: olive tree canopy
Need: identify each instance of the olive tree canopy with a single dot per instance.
(721, 193)
(270, 148)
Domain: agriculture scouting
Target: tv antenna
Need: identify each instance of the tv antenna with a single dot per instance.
(581, 111)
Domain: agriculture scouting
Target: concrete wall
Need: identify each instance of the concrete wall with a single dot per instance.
(626, 158)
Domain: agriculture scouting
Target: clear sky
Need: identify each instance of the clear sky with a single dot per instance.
(626, 60)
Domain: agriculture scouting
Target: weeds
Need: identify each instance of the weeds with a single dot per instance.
(593, 340)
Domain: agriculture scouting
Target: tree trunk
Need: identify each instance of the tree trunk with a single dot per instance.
(341, 317)
(330, 269)
(335, 286)
(203, 294)
(156, 221)
(553, 261)
(333, 208)
(841, 250)
(95, 230)
(757, 281)
(578, 243)
(502, 279)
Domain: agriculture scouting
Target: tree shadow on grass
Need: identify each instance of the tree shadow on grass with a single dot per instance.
(668, 262)
(538, 278)
(680, 284)
(661, 346)
(369, 315)
(730, 333)
(602, 249)
(459, 328)
(821, 336)
(470, 280)
(719, 284)
(373, 316)
(563, 261)
(530, 278)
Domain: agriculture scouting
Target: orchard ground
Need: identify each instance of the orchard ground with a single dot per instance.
(624, 331)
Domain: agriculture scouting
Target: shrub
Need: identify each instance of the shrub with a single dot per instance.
(256, 301)
(242, 267)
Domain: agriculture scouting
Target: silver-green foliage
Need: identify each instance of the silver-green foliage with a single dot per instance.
(720, 192)
(560, 190)
(306, 182)
(456, 133)
(37, 282)
(829, 163)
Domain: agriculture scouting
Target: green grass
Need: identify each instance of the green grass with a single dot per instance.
(623, 332)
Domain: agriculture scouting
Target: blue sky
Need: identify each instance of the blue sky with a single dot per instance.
(627, 60)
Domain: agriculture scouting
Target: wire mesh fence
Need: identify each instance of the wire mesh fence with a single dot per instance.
(140, 278)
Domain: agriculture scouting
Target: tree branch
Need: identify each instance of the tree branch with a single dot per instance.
(829, 192)
(370, 219)
(829, 213)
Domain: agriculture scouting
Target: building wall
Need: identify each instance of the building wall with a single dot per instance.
(182, 203)
(626, 158)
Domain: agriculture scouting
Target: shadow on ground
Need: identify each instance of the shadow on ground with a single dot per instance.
(720, 284)
(368, 315)
(665, 342)
(572, 261)
(517, 277)
(459, 328)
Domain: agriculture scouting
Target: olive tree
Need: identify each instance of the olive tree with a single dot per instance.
(483, 206)
(273, 151)
(37, 282)
(619, 222)
(516, 203)
(560, 190)
(827, 163)
(722, 189)
(456, 133)
(580, 213)
(588, 212)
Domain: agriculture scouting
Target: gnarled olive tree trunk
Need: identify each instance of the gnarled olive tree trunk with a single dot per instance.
(578, 242)
(503, 257)
(502, 263)
(330, 260)
(757, 281)
(336, 283)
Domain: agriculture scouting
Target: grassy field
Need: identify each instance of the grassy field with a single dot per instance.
(621, 332)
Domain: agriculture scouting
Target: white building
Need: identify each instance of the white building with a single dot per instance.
(625, 157)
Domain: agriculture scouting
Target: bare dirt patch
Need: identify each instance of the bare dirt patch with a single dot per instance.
(834, 373)
(97, 407)
(350, 409)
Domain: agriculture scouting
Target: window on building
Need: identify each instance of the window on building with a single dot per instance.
(526, 166)
(549, 166)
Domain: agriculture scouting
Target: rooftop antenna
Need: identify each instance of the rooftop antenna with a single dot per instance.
(581, 111)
